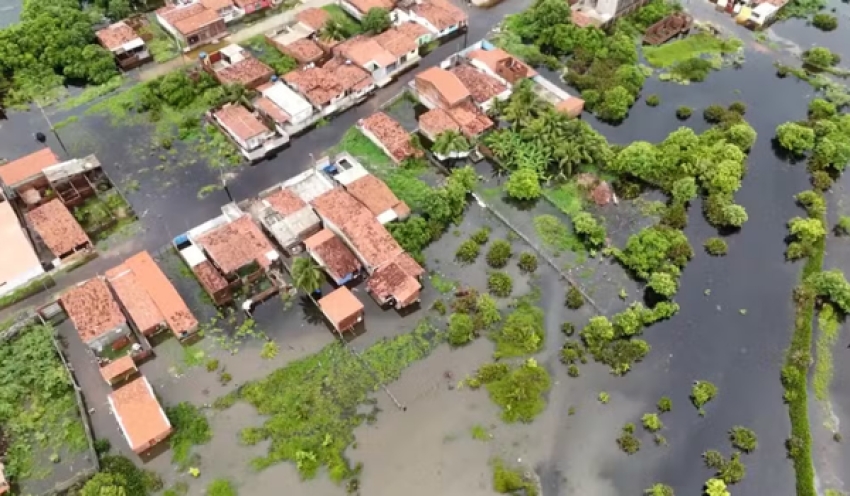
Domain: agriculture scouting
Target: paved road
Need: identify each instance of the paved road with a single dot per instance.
(156, 70)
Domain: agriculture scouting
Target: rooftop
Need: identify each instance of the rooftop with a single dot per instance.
(137, 301)
(390, 134)
(447, 83)
(92, 309)
(436, 121)
(581, 19)
(209, 277)
(237, 244)
(19, 170)
(116, 35)
(374, 193)
(409, 265)
(364, 5)
(59, 230)
(216, 4)
(362, 50)
(304, 50)
(349, 76)
(392, 281)
(481, 86)
(17, 256)
(285, 202)
(492, 59)
(472, 121)
(340, 305)
(150, 279)
(412, 29)
(337, 258)
(138, 413)
(118, 368)
(286, 99)
(571, 106)
(188, 19)
(320, 85)
(244, 69)
(269, 108)
(441, 13)
(397, 42)
(240, 121)
(313, 18)
(369, 237)
(309, 185)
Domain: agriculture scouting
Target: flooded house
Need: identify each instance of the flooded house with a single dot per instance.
(96, 316)
(331, 87)
(139, 414)
(342, 309)
(235, 65)
(388, 135)
(125, 44)
(19, 263)
(191, 24)
(284, 108)
(439, 17)
(247, 130)
(59, 232)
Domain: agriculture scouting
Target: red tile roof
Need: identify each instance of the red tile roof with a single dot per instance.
(442, 14)
(340, 305)
(139, 414)
(390, 134)
(571, 106)
(188, 19)
(374, 193)
(320, 85)
(137, 301)
(371, 240)
(31, 165)
(313, 17)
(92, 309)
(116, 35)
(245, 72)
(285, 202)
(413, 29)
(392, 281)
(216, 4)
(209, 277)
(481, 86)
(409, 265)
(240, 121)
(117, 368)
(59, 230)
(337, 258)
(447, 83)
(362, 49)
(237, 244)
(397, 42)
(304, 50)
(436, 121)
(365, 5)
(472, 121)
(492, 58)
(271, 109)
(349, 76)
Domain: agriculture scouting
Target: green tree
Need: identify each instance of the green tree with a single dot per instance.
(715, 247)
(655, 249)
(821, 109)
(715, 487)
(589, 229)
(412, 233)
(105, 484)
(524, 184)
(450, 142)
(500, 284)
(653, 100)
(714, 114)
(307, 275)
(806, 230)
(468, 251)
(701, 393)
(574, 298)
(735, 215)
(684, 190)
(742, 135)
(659, 489)
(743, 439)
(684, 112)
(376, 20)
(461, 329)
(498, 254)
(488, 310)
(825, 22)
(663, 284)
(334, 30)
(795, 138)
(664, 404)
(652, 422)
(615, 104)
(820, 58)
(527, 262)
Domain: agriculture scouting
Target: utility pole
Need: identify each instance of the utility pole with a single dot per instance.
(224, 185)
(466, 5)
(52, 129)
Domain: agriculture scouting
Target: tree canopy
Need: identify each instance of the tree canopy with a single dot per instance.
(376, 20)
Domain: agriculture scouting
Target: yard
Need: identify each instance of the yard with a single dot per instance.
(696, 45)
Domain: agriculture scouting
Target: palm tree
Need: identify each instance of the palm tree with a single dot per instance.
(307, 275)
(449, 142)
(333, 31)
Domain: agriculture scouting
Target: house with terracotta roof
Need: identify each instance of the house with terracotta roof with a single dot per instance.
(437, 87)
(125, 44)
(289, 112)
(365, 52)
(225, 9)
(296, 40)
(333, 256)
(252, 6)
(386, 133)
(359, 8)
(19, 263)
(332, 87)
(118, 370)
(235, 65)
(501, 65)
(247, 130)
(342, 309)
(27, 171)
(440, 17)
(349, 173)
(39, 177)
(139, 414)
(96, 315)
(395, 286)
(192, 24)
(313, 18)
(58, 230)
(149, 298)
(415, 31)
(450, 103)
(285, 217)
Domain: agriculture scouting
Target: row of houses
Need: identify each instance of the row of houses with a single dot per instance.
(37, 193)
(114, 315)
(335, 213)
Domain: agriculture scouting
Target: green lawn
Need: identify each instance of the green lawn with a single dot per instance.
(693, 46)
(349, 24)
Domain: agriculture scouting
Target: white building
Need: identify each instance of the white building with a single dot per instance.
(254, 138)
(19, 263)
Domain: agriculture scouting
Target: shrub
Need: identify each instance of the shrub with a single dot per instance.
(511, 481)
(743, 439)
(589, 229)
(467, 252)
(498, 254)
(664, 405)
(715, 247)
(221, 487)
(573, 370)
(439, 306)
(532, 381)
(481, 236)
(572, 352)
(522, 333)
(842, 227)
(269, 351)
(574, 298)
(663, 284)
(604, 397)
(738, 107)
(212, 365)
(701, 393)
(627, 442)
(659, 489)
(713, 459)
(684, 112)
(821, 180)
(732, 471)
(653, 100)
(102, 446)
(488, 311)
(715, 487)
(713, 114)
(528, 262)
(190, 428)
(500, 284)
(652, 422)
(568, 328)
(461, 329)
(825, 22)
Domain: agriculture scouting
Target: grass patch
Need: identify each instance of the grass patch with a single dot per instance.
(348, 23)
(23, 292)
(92, 93)
(39, 414)
(556, 235)
(480, 433)
(519, 391)
(314, 404)
(162, 47)
(508, 480)
(270, 55)
(696, 45)
(567, 197)
(442, 285)
(828, 324)
(191, 428)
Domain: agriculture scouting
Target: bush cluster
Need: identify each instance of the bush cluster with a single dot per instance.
(500, 284)
(503, 383)
(467, 252)
(527, 262)
(684, 112)
(574, 298)
(499, 254)
(715, 247)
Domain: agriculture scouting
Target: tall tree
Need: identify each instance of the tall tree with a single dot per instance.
(307, 275)
(376, 20)
(449, 142)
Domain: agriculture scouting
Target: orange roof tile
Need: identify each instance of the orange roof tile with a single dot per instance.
(237, 244)
(392, 281)
(472, 121)
(216, 5)
(285, 202)
(117, 368)
(304, 50)
(209, 277)
(313, 17)
(348, 76)
(492, 58)
(92, 309)
(481, 86)
(28, 166)
(136, 300)
(59, 230)
(168, 301)
(191, 24)
(240, 121)
(448, 84)
(396, 42)
(365, 5)
(442, 14)
(437, 121)
(245, 72)
(271, 109)
(317, 84)
(139, 414)
(366, 234)
(410, 266)
(116, 35)
(17, 256)
(571, 106)
(338, 259)
(361, 50)
(374, 193)
(340, 305)
(390, 133)
(413, 29)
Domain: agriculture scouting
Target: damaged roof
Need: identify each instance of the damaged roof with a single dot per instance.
(337, 258)
(59, 230)
(92, 309)
(481, 86)
(116, 35)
